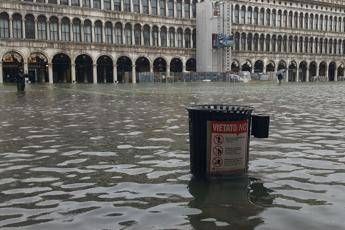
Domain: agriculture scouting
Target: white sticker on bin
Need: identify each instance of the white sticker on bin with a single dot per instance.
(227, 147)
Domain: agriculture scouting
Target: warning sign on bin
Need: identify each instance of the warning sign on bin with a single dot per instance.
(227, 146)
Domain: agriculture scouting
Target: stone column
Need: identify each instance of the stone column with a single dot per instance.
(150, 10)
(50, 73)
(168, 71)
(133, 37)
(112, 5)
(36, 25)
(335, 72)
(140, 7)
(159, 37)
(11, 27)
(59, 28)
(92, 32)
(23, 28)
(1, 74)
(121, 5)
(102, 5)
(134, 80)
(307, 74)
(103, 32)
(151, 42)
(26, 67)
(69, 2)
(123, 35)
(73, 73)
(175, 12)
(115, 73)
(82, 31)
(158, 8)
(71, 31)
(95, 74)
(327, 66)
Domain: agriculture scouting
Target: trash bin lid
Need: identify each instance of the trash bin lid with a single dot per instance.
(228, 109)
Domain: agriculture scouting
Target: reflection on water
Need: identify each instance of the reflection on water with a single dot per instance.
(112, 157)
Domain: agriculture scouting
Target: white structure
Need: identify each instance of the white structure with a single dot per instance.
(304, 37)
(96, 40)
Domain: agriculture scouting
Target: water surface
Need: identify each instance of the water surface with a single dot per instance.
(117, 157)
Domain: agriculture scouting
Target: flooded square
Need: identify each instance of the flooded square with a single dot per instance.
(117, 157)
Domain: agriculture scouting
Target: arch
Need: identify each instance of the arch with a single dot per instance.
(41, 27)
(187, 38)
(235, 66)
(340, 72)
(98, 31)
(12, 63)
(38, 68)
(281, 65)
(61, 68)
(292, 71)
(302, 71)
(105, 69)
(142, 65)
(312, 71)
(247, 66)
(258, 66)
(270, 67)
(191, 65)
(84, 69)
(176, 65)
(76, 28)
(108, 32)
(159, 65)
(322, 70)
(332, 68)
(124, 69)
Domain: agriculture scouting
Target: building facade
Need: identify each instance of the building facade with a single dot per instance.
(306, 38)
(96, 41)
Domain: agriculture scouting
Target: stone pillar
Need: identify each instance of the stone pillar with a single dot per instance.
(335, 72)
(159, 37)
(168, 71)
(298, 74)
(115, 74)
(26, 67)
(327, 66)
(175, 13)
(166, 9)
(69, 3)
(94, 73)
(81, 3)
(151, 42)
(133, 37)
(11, 27)
(103, 32)
(1, 74)
(50, 73)
(59, 28)
(74, 80)
(123, 35)
(82, 32)
(23, 28)
(142, 36)
(131, 5)
(92, 32)
(102, 5)
(158, 8)
(140, 7)
(307, 75)
(112, 5)
(71, 31)
(150, 10)
(121, 5)
(134, 80)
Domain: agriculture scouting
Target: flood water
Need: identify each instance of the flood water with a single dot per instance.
(117, 157)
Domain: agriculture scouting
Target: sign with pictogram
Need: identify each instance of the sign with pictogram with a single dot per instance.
(227, 146)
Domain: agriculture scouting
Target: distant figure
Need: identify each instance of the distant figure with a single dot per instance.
(280, 76)
(20, 79)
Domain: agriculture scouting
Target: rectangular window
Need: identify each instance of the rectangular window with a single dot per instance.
(4, 31)
(145, 6)
(117, 5)
(172, 39)
(54, 34)
(86, 3)
(107, 4)
(154, 7)
(171, 8)
(97, 4)
(108, 35)
(87, 34)
(76, 33)
(75, 3)
(136, 6)
(127, 5)
(187, 9)
(65, 32)
(42, 31)
(17, 28)
(64, 2)
(98, 34)
(179, 9)
(162, 8)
